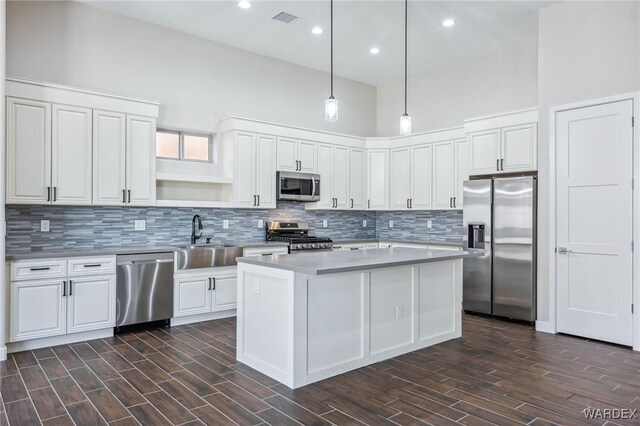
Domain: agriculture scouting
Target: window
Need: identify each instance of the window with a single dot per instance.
(176, 145)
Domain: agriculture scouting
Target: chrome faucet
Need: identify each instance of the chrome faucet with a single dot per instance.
(195, 237)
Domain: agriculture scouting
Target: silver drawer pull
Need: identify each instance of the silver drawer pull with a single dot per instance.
(46, 268)
(93, 265)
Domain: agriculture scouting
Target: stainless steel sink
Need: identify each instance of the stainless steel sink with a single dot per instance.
(207, 256)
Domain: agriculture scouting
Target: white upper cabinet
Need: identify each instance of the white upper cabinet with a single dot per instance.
(28, 152)
(254, 170)
(518, 147)
(400, 180)
(325, 170)
(503, 143)
(71, 153)
(340, 177)
(485, 152)
(141, 161)
(296, 155)
(378, 179)
(335, 169)
(461, 171)
(63, 148)
(109, 158)
(421, 164)
(357, 179)
(443, 175)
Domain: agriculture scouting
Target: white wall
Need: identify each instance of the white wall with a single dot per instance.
(196, 81)
(443, 98)
(587, 50)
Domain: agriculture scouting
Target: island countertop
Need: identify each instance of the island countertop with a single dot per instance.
(332, 262)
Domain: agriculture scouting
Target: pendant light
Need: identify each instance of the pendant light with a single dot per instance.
(405, 120)
(331, 104)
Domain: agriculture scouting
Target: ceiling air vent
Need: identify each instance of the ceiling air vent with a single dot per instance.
(285, 17)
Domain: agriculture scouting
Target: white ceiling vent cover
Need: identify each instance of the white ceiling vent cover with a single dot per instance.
(285, 17)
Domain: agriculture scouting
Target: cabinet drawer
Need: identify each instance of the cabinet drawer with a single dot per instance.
(80, 266)
(266, 251)
(41, 268)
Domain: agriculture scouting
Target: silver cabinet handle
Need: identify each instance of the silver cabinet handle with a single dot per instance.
(407, 203)
(70, 288)
(45, 268)
(254, 200)
(55, 193)
(352, 203)
(209, 279)
(93, 265)
(497, 165)
(368, 204)
(48, 193)
(64, 288)
(214, 283)
(451, 202)
(124, 195)
(258, 196)
(502, 164)
(454, 202)
(128, 196)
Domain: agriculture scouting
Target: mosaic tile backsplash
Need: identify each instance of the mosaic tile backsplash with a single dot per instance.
(98, 227)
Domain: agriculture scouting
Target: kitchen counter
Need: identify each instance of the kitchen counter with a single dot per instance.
(382, 240)
(307, 317)
(332, 262)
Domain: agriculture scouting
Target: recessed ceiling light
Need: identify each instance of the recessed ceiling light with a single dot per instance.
(244, 4)
(317, 30)
(374, 50)
(448, 23)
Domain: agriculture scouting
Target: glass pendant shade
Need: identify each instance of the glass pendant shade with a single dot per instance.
(331, 109)
(405, 124)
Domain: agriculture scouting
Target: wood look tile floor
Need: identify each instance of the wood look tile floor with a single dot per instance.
(497, 373)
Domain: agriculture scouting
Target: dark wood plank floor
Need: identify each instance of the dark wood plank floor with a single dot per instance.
(497, 373)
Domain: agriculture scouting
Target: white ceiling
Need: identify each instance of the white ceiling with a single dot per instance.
(482, 27)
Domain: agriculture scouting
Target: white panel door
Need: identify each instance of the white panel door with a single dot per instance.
(341, 176)
(518, 148)
(28, 152)
(421, 178)
(192, 296)
(225, 294)
(443, 175)
(287, 155)
(266, 172)
(400, 178)
(461, 171)
(244, 179)
(91, 303)
(325, 170)
(378, 179)
(594, 151)
(307, 153)
(141, 161)
(484, 152)
(71, 155)
(38, 309)
(109, 158)
(357, 178)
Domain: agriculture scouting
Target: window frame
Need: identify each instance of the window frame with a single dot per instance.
(181, 134)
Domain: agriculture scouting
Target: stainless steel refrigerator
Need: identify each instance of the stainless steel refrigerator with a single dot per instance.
(499, 216)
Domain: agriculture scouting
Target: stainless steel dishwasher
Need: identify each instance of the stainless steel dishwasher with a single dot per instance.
(144, 288)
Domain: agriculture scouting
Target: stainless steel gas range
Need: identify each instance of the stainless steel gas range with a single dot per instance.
(297, 235)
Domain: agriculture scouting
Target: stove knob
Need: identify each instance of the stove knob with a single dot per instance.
(316, 245)
(297, 246)
(307, 246)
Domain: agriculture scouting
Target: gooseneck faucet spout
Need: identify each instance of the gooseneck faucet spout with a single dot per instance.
(194, 237)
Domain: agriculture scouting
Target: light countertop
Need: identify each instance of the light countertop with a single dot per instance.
(383, 240)
(332, 262)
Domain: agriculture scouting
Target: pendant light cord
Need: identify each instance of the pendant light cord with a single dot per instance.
(405, 56)
(332, 49)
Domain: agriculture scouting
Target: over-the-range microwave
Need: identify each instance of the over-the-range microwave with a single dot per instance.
(298, 186)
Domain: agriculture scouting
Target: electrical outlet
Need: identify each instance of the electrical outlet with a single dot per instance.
(364, 223)
(225, 224)
(260, 223)
(399, 311)
(325, 223)
(390, 224)
(44, 226)
(256, 287)
(140, 225)
(429, 224)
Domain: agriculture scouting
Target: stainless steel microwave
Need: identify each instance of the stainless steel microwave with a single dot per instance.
(298, 186)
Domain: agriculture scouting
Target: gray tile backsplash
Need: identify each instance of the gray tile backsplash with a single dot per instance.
(96, 227)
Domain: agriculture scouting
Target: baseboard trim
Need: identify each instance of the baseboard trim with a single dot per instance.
(202, 317)
(545, 327)
(3, 353)
(63, 339)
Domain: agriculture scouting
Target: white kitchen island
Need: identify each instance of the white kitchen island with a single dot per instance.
(307, 317)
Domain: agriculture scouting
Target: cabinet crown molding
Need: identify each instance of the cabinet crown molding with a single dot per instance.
(506, 119)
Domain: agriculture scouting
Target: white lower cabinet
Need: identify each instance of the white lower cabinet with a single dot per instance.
(38, 309)
(91, 303)
(46, 307)
(204, 291)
